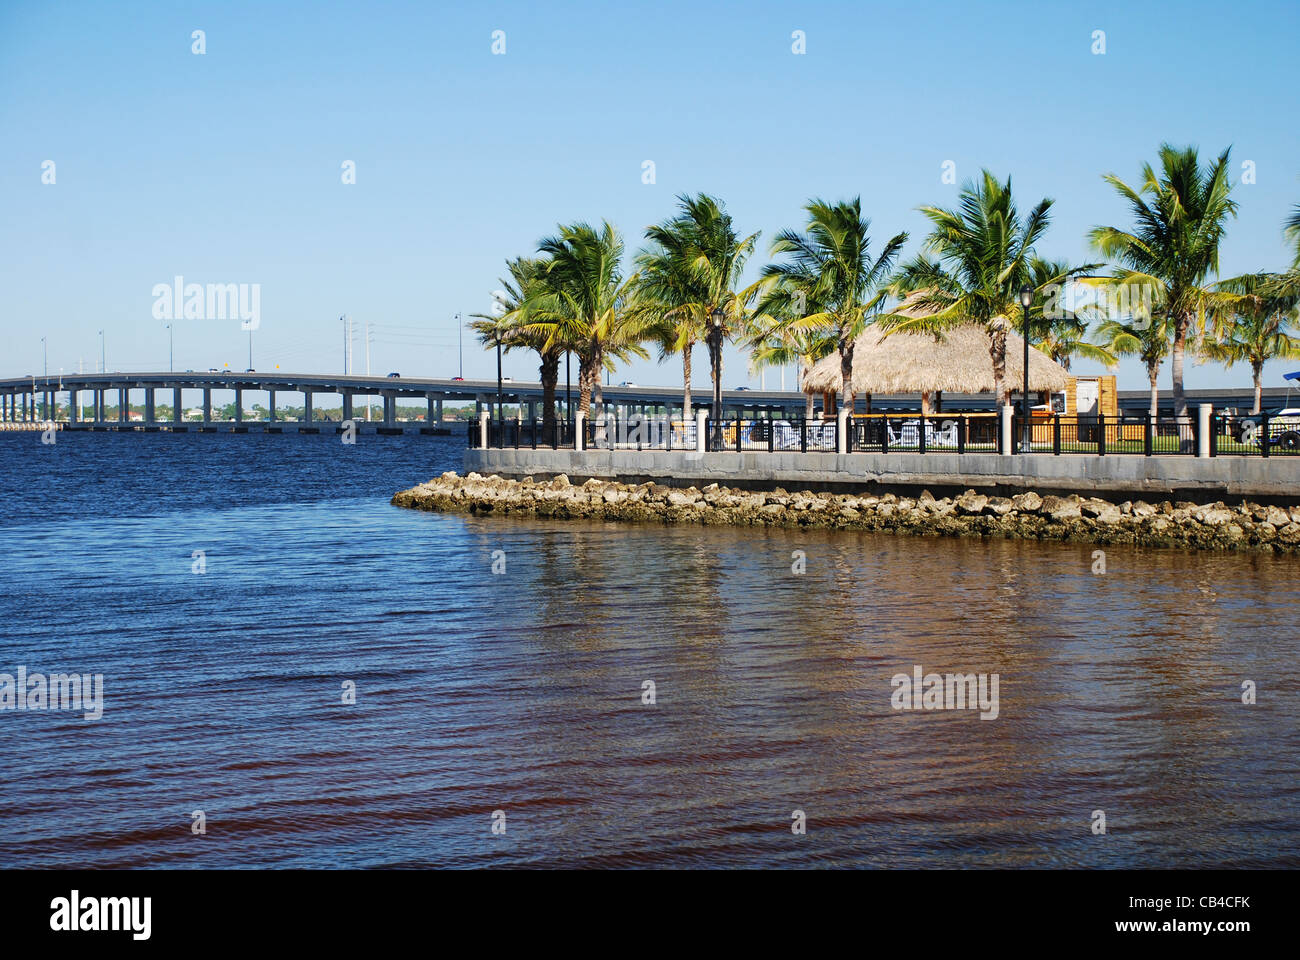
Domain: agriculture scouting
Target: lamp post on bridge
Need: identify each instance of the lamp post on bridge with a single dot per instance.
(171, 351)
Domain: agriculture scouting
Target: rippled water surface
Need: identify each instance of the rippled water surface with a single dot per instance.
(522, 692)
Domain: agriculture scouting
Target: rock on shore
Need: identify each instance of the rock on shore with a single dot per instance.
(1027, 516)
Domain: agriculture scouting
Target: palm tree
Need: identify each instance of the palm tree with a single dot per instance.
(526, 285)
(1180, 219)
(1145, 337)
(1061, 334)
(1254, 326)
(584, 304)
(692, 266)
(830, 272)
(982, 254)
(778, 343)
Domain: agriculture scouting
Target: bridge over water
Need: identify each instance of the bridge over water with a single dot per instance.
(87, 398)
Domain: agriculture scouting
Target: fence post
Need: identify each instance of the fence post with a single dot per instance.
(1004, 431)
(841, 419)
(700, 430)
(771, 432)
(1056, 434)
(1214, 434)
(578, 439)
(738, 426)
(483, 429)
(803, 434)
(1149, 436)
(1101, 434)
(962, 427)
(1263, 434)
(920, 436)
(1203, 430)
(884, 434)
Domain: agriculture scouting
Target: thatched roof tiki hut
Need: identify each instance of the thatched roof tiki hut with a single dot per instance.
(918, 363)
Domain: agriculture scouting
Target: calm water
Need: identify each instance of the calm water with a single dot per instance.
(522, 692)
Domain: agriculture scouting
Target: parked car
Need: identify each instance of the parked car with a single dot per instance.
(1283, 428)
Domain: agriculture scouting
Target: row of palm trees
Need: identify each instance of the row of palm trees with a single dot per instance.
(828, 282)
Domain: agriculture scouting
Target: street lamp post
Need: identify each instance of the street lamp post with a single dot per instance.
(1026, 436)
(715, 344)
(45, 352)
(103, 356)
(171, 350)
(500, 411)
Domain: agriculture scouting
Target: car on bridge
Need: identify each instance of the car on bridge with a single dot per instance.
(394, 376)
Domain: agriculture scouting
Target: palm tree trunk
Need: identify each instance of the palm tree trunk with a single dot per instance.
(584, 386)
(1153, 375)
(686, 380)
(998, 353)
(1176, 364)
(550, 376)
(846, 373)
(598, 390)
(1258, 370)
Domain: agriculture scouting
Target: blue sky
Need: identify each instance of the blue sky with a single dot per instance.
(226, 167)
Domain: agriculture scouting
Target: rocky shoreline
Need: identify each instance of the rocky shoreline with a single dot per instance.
(1026, 516)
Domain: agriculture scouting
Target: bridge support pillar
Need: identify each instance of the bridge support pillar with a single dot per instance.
(207, 405)
(437, 413)
(178, 405)
(306, 406)
(390, 408)
(347, 406)
(72, 406)
(123, 406)
(149, 414)
(270, 406)
(239, 405)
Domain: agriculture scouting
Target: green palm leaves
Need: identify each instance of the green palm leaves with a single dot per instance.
(1180, 216)
(691, 265)
(976, 258)
(829, 279)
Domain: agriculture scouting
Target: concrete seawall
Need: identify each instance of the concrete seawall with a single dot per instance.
(1275, 479)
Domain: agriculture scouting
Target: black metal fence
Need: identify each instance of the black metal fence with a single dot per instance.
(1055, 434)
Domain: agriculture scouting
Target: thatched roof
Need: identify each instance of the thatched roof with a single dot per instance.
(916, 362)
